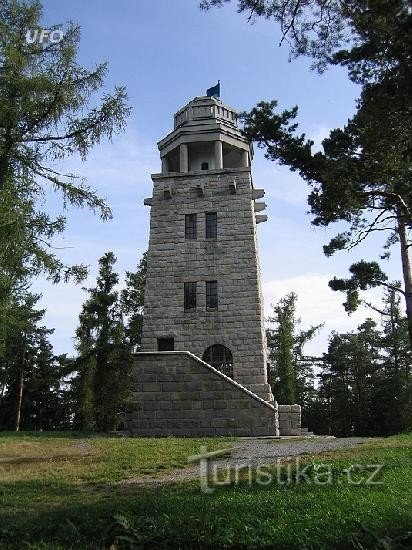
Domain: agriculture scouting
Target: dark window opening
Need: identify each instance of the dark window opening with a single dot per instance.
(190, 226)
(211, 225)
(205, 166)
(219, 357)
(165, 344)
(211, 294)
(190, 295)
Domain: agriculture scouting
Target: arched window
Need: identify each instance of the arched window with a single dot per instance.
(205, 166)
(219, 357)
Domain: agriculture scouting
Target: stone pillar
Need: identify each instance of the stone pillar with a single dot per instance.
(245, 159)
(165, 165)
(184, 158)
(218, 155)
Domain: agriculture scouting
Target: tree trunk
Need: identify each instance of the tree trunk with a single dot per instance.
(20, 388)
(3, 389)
(406, 269)
(19, 400)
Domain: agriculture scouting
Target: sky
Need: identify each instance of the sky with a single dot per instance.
(166, 52)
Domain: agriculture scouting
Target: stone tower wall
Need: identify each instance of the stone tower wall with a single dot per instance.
(231, 259)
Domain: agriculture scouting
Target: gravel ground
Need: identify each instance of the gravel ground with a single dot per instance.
(254, 452)
(266, 451)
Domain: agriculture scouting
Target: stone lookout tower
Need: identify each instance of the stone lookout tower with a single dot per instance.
(203, 313)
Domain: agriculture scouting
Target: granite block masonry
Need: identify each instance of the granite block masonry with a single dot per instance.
(203, 290)
(175, 393)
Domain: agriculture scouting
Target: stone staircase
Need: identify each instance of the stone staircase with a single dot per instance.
(175, 393)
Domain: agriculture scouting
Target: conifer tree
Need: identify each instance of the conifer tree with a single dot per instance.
(365, 382)
(132, 302)
(48, 112)
(393, 388)
(291, 375)
(104, 357)
(28, 372)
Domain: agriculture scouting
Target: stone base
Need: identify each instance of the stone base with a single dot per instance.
(175, 393)
(289, 419)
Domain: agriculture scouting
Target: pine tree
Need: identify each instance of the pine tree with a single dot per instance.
(132, 302)
(365, 385)
(30, 373)
(362, 176)
(44, 404)
(393, 387)
(347, 367)
(104, 356)
(20, 346)
(370, 37)
(291, 374)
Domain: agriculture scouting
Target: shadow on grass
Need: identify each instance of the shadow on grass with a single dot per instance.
(47, 435)
(43, 459)
(72, 516)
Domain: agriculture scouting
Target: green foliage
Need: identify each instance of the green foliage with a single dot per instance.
(362, 176)
(276, 133)
(83, 389)
(291, 375)
(132, 302)
(104, 359)
(393, 403)
(109, 330)
(364, 275)
(280, 343)
(46, 398)
(367, 539)
(370, 37)
(48, 111)
(33, 391)
(365, 381)
(350, 367)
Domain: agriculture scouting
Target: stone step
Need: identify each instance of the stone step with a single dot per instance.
(305, 431)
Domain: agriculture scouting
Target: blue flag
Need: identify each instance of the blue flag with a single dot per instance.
(214, 91)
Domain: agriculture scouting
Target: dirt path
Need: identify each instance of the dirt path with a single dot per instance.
(253, 452)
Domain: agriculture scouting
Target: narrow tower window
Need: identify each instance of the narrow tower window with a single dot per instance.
(211, 294)
(211, 225)
(190, 295)
(190, 226)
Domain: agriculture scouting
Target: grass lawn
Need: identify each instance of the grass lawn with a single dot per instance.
(63, 491)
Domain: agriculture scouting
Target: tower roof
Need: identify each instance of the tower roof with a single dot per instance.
(204, 119)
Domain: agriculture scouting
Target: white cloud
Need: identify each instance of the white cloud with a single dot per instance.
(316, 304)
(280, 184)
(318, 134)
